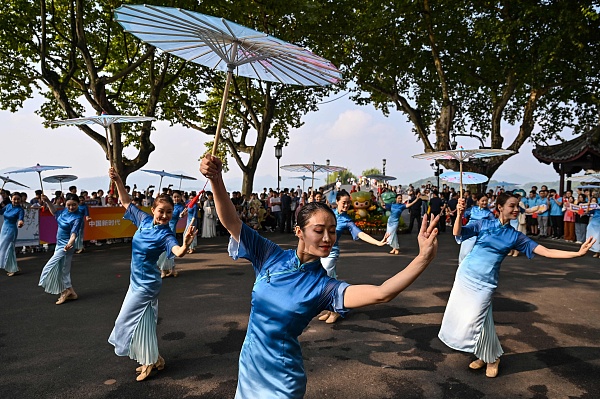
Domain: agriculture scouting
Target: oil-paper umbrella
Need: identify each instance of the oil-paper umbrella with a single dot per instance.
(162, 174)
(60, 179)
(589, 178)
(380, 177)
(467, 177)
(303, 177)
(462, 155)
(11, 181)
(312, 168)
(39, 169)
(106, 121)
(225, 46)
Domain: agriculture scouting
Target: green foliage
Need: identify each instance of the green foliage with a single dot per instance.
(79, 58)
(372, 171)
(469, 66)
(344, 176)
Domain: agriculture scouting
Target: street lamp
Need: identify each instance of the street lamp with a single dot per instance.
(328, 162)
(384, 166)
(436, 172)
(278, 154)
(454, 144)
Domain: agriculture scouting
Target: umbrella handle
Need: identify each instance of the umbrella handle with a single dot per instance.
(222, 113)
(41, 185)
(108, 147)
(461, 183)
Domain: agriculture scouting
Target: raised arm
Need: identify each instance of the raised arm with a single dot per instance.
(212, 167)
(460, 211)
(560, 254)
(48, 204)
(362, 295)
(124, 198)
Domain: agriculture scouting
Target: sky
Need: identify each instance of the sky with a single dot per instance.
(355, 137)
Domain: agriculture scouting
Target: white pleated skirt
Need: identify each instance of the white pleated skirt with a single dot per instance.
(468, 324)
(465, 247)
(134, 334)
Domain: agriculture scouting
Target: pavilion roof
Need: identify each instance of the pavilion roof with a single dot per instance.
(587, 143)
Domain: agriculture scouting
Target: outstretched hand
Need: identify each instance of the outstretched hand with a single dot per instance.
(586, 245)
(428, 238)
(190, 232)
(385, 238)
(211, 166)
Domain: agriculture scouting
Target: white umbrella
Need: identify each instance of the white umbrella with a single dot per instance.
(590, 178)
(39, 169)
(468, 177)
(105, 121)
(312, 168)
(226, 46)
(9, 180)
(162, 174)
(462, 155)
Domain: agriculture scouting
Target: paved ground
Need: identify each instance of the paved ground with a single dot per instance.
(546, 312)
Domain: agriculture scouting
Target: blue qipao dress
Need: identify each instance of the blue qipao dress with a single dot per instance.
(166, 262)
(344, 222)
(392, 224)
(468, 324)
(192, 215)
(83, 209)
(134, 334)
(8, 237)
(285, 297)
(593, 229)
(473, 214)
(56, 275)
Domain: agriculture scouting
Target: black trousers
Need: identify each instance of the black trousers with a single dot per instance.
(414, 216)
(557, 226)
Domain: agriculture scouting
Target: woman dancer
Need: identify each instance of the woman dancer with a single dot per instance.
(593, 227)
(13, 219)
(56, 275)
(343, 223)
(468, 325)
(166, 261)
(134, 334)
(292, 287)
(83, 209)
(391, 234)
(477, 212)
(192, 217)
(209, 221)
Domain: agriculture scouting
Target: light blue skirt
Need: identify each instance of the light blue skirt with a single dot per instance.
(56, 275)
(8, 256)
(78, 244)
(165, 263)
(134, 334)
(392, 229)
(468, 325)
(593, 230)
